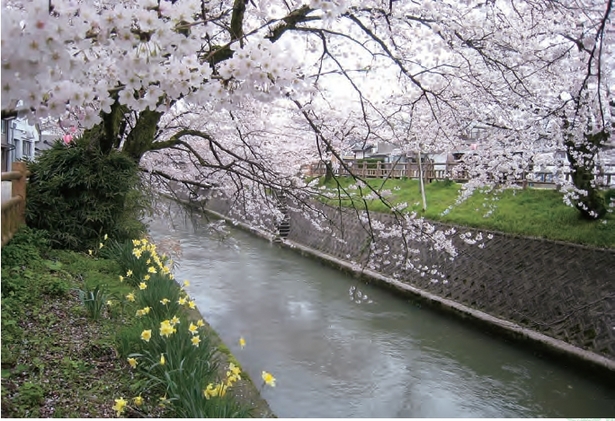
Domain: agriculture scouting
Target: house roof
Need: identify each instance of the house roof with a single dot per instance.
(46, 142)
(359, 147)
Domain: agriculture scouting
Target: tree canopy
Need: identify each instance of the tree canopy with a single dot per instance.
(236, 95)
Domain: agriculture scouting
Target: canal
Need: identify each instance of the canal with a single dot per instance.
(341, 348)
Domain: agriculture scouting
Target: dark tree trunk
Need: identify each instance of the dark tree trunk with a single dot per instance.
(582, 161)
(141, 137)
(329, 174)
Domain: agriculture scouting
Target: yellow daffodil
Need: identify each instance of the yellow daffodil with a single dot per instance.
(100, 245)
(209, 391)
(119, 406)
(162, 360)
(268, 379)
(105, 237)
(165, 301)
(109, 303)
(193, 328)
(142, 286)
(163, 401)
(130, 297)
(137, 253)
(186, 283)
(233, 369)
(146, 277)
(232, 375)
(146, 335)
(165, 270)
(166, 329)
(221, 389)
(136, 242)
(90, 252)
(143, 311)
(129, 273)
(133, 362)
(195, 340)
(200, 323)
(192, 304)
(121, 278)
(174, 320)
(148, 261)
(138, 400)
(242, 342)
(151, 269)
(171, 276)
(181, 301)
(213, 391)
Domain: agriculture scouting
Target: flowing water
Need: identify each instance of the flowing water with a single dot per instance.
(341, 348)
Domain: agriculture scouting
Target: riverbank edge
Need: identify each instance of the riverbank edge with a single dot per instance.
(572, 356)
(245, 390)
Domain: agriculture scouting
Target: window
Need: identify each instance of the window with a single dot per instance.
(5, 159)
(27, 149)
(4, 126)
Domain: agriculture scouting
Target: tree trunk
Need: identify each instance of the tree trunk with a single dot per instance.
(328, 171)
(141, 137)
(581, 158)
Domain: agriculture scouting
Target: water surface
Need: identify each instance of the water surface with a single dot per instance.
(341, 348)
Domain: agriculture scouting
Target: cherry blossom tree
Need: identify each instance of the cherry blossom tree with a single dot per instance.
(233, 96)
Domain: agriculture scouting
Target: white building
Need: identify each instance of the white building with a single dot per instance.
(18, 142)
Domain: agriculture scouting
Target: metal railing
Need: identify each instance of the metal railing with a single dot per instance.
(14, 209)
(436, 171)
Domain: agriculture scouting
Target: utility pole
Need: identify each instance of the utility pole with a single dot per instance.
(422, 182)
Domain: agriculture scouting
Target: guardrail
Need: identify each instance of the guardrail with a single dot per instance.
(431, 171)
(14, 209)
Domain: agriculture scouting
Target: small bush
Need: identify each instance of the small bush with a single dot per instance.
(78, 194)
(94, 301)
(55, 287)
(25, 248)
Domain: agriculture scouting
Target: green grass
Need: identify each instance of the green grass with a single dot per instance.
(530, 212)
(56, 361)
(64, 355)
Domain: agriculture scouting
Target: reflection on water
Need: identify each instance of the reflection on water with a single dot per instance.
(341, 348)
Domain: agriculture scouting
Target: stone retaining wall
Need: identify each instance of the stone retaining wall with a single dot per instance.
(561, 290)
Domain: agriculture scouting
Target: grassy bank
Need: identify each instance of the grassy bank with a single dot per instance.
(78, 342)
(530, 212)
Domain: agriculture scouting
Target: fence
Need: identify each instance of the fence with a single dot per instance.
(435, 171)
(432, 171)
(14, 209)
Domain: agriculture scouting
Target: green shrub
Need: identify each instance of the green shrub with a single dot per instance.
(25, 248)
(78, 194)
